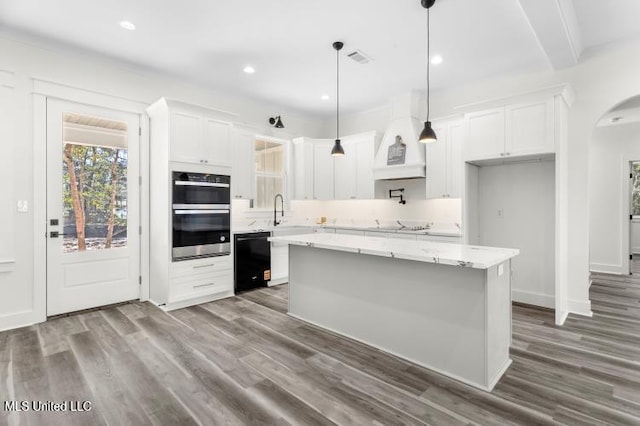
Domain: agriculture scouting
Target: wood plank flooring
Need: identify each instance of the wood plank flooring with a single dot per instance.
(243, 361)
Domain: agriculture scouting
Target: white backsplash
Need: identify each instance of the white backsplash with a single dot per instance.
(440, 213)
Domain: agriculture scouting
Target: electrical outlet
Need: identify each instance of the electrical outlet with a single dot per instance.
(500, 213)
(23, 206)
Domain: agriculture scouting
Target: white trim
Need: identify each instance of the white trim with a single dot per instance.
(531, 298)
(580, 307)
(145, 209)
(607, 269)
(562, 318)
(7, 79)
(562, 90)
(39, 140)
(7, 265)
(66, 92)
(17, 320)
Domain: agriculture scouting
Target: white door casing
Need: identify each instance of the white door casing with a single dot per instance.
(79, 280)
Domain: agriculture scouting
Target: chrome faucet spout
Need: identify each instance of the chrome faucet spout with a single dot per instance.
(275, 210)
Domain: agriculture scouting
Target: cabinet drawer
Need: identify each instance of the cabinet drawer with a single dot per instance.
(200, 285)
(200, 266)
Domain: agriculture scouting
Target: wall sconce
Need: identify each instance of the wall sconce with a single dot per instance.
(276, 122)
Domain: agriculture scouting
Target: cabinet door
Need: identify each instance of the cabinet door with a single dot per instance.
(243, 171)
(455, 164)
(216, 147)
(485, 134)
(346, 173)
(186, 138)
(530, 128)
(303, 169)
(322, 171)
(364, 169)
(437, 163)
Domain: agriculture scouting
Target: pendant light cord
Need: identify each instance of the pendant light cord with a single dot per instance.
(337, 94)
(428, 64)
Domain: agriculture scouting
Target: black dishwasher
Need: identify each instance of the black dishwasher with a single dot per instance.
(252, 261)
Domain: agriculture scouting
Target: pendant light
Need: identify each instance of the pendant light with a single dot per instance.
(428, 135)
(337, 150)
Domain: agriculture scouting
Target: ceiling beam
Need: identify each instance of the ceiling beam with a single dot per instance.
(555, 24)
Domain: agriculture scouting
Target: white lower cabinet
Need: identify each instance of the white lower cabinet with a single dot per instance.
(199, 280)
(279, 263)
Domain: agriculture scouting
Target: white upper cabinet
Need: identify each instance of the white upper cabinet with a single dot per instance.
(485, 134)
(529, 128)
(444, 160)
(364, 170)
(323, 171)
(197, 136)
(216, 146)
(186, 138)
(345, 177)
(303, 169)
(511, 131)
(320, 176)
(243, 170)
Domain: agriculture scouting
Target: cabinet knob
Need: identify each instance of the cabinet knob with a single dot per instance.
(502, 154)
(507, 153)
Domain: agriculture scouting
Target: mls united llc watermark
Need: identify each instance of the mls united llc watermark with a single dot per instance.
(69, 406)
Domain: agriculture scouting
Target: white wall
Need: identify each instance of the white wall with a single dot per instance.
(516, 209)
(23, 62)
(603, 79)
(613, 147)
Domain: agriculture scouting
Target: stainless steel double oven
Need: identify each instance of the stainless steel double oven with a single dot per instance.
(201, 215)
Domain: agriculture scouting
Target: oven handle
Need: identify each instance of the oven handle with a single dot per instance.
(190, 183)
(201, 206)
(201, 212)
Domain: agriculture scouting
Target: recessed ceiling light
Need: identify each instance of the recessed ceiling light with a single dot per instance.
(128, 25)
(249, 69)
(324, 97)
(436, 60)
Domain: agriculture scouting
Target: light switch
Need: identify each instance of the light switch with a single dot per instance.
(501, 269)
(23, 206)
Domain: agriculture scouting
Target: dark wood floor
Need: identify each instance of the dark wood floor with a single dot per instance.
(243, 361)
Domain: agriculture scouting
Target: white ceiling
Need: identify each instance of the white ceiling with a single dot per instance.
(289, 42)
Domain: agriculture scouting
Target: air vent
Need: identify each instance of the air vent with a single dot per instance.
(359, 57)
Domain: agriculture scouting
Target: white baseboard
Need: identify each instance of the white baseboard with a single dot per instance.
(536, 299)
(580, 307)
(605, 268)
(19, 319)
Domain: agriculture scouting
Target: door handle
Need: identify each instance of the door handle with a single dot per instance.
(55, 234)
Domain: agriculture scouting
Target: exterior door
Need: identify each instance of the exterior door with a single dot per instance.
(93, 207)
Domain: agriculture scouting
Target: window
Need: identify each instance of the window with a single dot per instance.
(270, 170)
(635, 189)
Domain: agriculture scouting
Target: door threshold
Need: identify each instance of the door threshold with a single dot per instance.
(97, 308)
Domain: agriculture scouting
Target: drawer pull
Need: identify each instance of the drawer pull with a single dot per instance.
(208, 265)
(204, 285)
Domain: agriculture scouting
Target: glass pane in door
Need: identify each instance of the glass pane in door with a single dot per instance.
(94, 179)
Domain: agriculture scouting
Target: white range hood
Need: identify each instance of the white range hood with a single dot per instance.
(400, 155)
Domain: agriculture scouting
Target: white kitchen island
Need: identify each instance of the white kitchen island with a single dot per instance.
(444, 306)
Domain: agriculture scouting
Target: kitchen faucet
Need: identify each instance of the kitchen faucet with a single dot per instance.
(275, 199)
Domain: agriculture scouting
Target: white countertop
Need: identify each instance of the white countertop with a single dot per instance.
(478, 257)
(445, 232)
